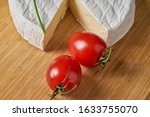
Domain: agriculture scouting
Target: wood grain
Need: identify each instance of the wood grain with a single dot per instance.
(23, 67)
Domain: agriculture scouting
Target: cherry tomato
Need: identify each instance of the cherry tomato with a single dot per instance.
(89, 49)
(64, 75)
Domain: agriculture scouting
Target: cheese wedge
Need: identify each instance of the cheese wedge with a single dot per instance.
(110, 19)
(26, 21)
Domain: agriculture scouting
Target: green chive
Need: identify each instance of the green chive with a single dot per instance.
(40, 21)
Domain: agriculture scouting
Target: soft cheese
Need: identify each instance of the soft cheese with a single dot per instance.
(26, 21)
(110, 19)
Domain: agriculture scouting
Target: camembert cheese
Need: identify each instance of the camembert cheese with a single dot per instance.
(110, 19)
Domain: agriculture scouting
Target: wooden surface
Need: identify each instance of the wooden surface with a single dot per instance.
(23, 67)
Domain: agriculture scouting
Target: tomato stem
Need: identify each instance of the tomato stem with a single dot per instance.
(60, 91)
(66, 75)
(60, 88)
(105, 57)
(55, 93)
(65, 93)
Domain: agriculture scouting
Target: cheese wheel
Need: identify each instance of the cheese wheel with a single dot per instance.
(110, 19)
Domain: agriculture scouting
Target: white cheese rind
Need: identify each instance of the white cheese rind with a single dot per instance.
(110, 19)
(26, 21)
(116, 16)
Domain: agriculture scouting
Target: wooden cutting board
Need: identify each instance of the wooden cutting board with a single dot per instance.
(23, 67)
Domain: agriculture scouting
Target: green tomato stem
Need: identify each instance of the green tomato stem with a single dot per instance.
(105, 57)
(109, 54)
(60, 89)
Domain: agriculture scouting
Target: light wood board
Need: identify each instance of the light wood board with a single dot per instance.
(23, 67)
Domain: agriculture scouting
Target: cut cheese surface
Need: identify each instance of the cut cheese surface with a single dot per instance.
(110, 19)
(26, 21)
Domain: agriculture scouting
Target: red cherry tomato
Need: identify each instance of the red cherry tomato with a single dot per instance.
(63, 75)
(88, 49)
